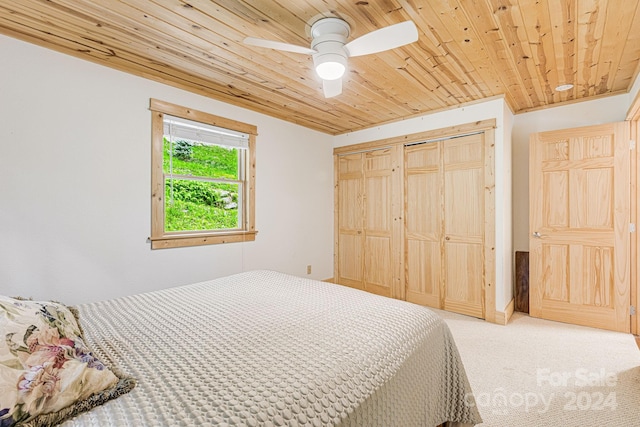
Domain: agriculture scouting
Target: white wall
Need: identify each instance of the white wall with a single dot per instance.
(492, 109)
(75, 185)
(598, 111)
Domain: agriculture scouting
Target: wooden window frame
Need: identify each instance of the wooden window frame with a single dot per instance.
(160, 239)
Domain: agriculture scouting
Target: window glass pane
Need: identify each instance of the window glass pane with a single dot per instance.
(200, 205)
(199, 159)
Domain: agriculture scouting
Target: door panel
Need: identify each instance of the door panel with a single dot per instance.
(556, 186)
(377, 265)
(350, 197)
(597, 276)
(351, 259)
(596, 209)
(464, 200)
(423, 272)
(556, 259)
(579, 219)
(464, 284)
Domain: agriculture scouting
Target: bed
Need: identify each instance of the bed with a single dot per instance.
(270, 349)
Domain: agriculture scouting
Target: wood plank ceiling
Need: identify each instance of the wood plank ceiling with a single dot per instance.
(468, 50)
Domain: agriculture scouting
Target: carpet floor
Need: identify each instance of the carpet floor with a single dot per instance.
(540, 373)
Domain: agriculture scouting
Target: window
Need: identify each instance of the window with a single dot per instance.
(203, 178)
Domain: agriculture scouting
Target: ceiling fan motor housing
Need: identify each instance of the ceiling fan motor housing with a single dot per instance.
(329, 37)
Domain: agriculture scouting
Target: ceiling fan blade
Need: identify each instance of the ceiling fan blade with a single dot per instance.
(272, 44)
(383, 39)
(332, 88)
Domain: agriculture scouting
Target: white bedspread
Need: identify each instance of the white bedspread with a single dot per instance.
(265, 348)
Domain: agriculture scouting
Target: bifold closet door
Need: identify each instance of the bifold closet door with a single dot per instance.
(423, 225)
(350, 215)
(444, 228)
(366, 234)
(463, 215)
(378, 222)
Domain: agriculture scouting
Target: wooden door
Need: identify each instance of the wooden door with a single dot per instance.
(423, 224)
(463, 219)
(579, 226)
(378, 223)
(349, 269)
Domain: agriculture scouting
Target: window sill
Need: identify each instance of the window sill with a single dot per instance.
(185, 240)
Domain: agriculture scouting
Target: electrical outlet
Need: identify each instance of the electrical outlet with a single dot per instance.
(309, 269)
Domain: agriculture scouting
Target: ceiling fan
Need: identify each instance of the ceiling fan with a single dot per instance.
(330, 49)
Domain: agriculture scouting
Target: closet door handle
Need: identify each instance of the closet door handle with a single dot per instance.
(447, 238)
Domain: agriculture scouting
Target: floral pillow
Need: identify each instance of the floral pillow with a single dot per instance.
(47, 372)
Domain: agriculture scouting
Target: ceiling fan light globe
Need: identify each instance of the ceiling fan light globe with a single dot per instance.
(330, 65)
(330, 70)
